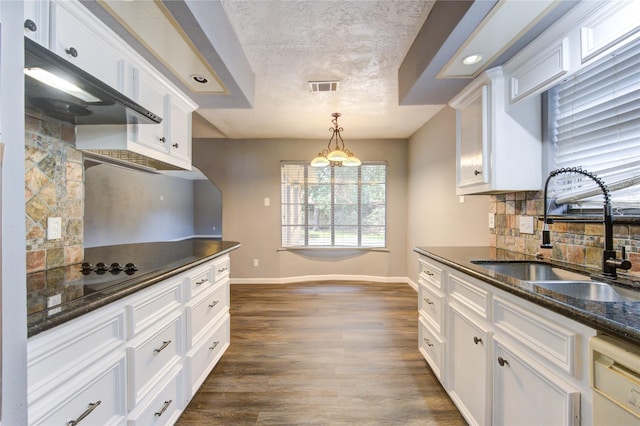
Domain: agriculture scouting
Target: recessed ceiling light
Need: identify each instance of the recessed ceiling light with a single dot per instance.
(199, 78)
(472, 59)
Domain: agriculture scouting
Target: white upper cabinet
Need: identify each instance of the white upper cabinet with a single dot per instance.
(583, 35)
(78, 43)
(36, 21)
(498, 150)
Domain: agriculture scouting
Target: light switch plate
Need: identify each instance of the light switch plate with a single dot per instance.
(526, 224)
(54, 228)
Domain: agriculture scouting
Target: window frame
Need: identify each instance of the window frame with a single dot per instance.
(332, 226)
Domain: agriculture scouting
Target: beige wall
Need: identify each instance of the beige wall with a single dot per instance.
(248, 171)
(435, 216)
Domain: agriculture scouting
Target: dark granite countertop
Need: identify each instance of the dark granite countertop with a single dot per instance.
(621, 319)
(80, 293)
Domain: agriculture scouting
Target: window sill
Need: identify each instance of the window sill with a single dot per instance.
(321, 248)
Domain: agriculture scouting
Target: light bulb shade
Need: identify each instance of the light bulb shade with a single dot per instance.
(352, 161)
(337, 155)
(320, 161)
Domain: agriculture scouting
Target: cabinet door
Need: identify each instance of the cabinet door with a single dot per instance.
(36, 21)
(469, 346)
(155, 98)
(472, 139)
(180, 132)
(525, 393)
(81, 45)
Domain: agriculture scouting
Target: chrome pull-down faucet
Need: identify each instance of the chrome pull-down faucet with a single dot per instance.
(610, 264)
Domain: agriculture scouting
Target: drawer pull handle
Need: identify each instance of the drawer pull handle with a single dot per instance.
(72, 51)
(164, 408)
(221, 270)
(92, 406)
(428, 342)
(428, 273)
(214, 303)
(161, 348)
(216, 343)
(427, 301)
(201, 282)
(502, 361)
(477, 340)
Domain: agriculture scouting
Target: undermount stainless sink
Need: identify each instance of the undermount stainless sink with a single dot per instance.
(530, 270)
(559, 280)
(591, 290)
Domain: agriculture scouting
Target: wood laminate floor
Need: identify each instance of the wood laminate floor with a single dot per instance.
(322, 353)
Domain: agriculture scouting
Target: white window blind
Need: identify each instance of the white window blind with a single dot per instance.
(595, 123)
(333, 206)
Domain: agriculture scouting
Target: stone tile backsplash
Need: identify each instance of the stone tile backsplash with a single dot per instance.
(54, 187)
(575, 243)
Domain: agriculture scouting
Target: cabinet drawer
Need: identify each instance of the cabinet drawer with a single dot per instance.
(221, 268)
(545, 337)
(206, 354)
(432, 348)
(62, 352)
(205, 309)
(430, 305)
(152, 307)
(97, 394)
(165, 406)
(199, 280)
(151, 354)
(469, 294)
(430, 272)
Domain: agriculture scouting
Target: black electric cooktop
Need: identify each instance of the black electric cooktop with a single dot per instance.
(113, 268)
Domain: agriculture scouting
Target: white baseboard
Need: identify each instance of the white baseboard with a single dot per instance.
(412, 284)
(310, 278)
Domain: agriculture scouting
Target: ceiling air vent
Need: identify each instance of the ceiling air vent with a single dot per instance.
(323, 86)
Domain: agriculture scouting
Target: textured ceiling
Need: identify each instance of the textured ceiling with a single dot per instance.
(288, 43)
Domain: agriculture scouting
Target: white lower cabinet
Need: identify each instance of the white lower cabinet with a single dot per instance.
(526, 393)
(95, 397)
(132, 362)
(504, 360)
(470, 370)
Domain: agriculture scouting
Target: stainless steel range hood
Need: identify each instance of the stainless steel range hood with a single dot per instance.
(102, 105)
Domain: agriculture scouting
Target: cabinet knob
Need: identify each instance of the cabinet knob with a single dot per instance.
(428, 342)
(427, 301)
(175, 145)
(162, 139)
(30, 25)
(477, 340)
(477, 172)
(72, 51)
(502, 361)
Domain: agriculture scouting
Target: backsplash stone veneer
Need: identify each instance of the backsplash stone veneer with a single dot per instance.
(54, 187)
(575, 243)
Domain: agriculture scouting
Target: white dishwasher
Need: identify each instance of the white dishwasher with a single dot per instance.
(615, 380)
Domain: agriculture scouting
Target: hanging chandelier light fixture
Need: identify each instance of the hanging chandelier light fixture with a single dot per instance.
(337, 155)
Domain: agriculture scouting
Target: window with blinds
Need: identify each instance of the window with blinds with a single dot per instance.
(333, 206)
(594, 119)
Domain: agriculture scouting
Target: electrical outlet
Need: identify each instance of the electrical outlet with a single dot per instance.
(54, 300)
(54, 228)
(492, 220)
(256, 263)
(267, 201)
(526, 224)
